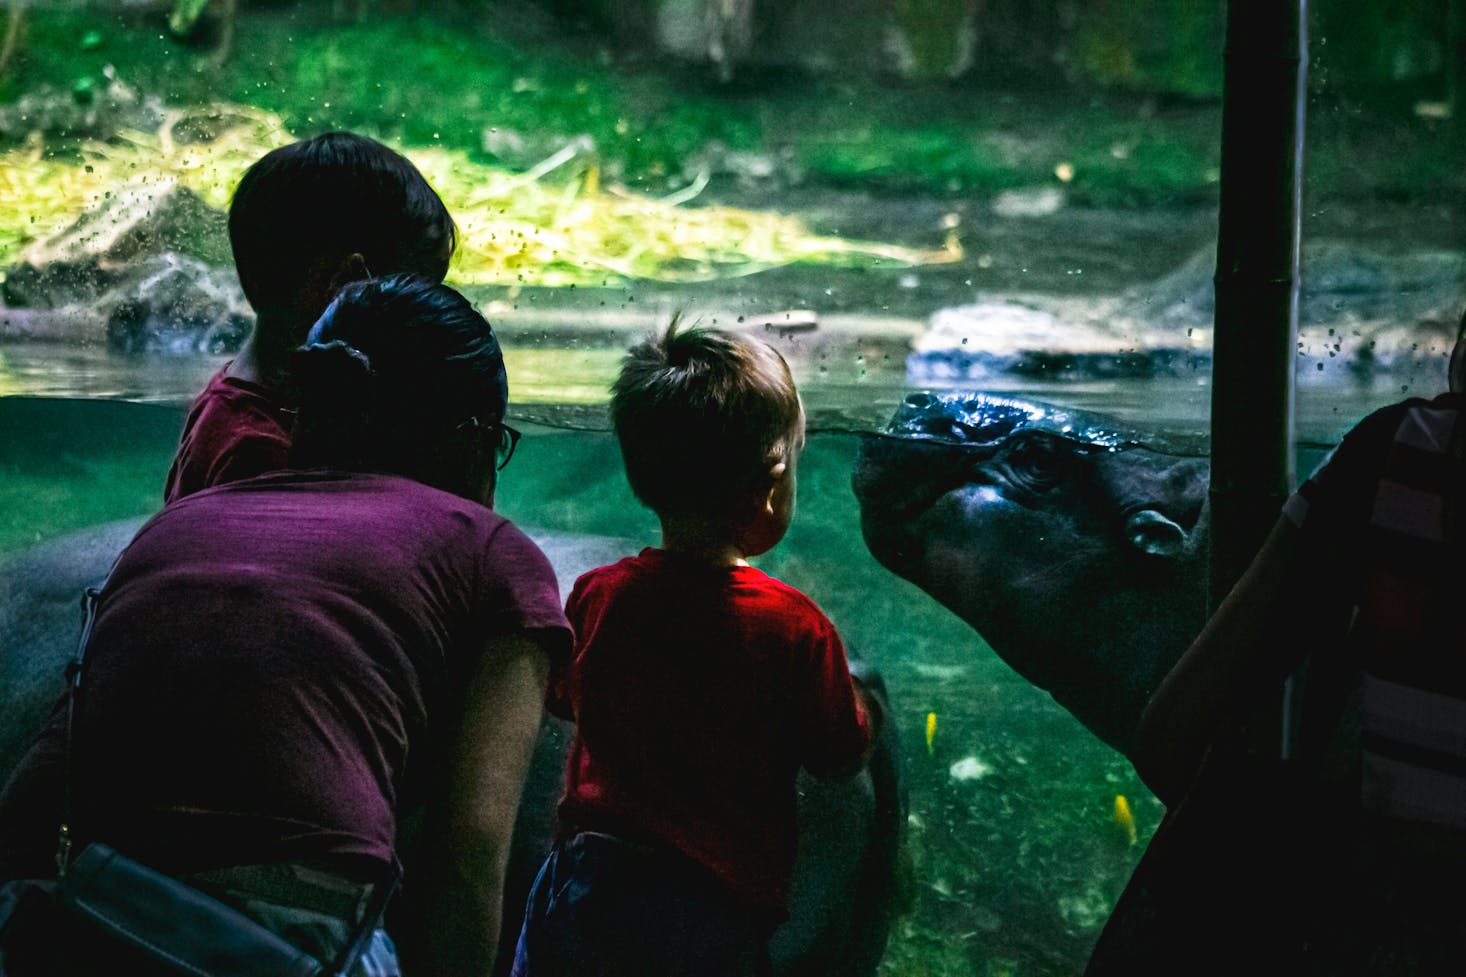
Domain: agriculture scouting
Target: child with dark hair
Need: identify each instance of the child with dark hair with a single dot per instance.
(305, 219)
(699, 686)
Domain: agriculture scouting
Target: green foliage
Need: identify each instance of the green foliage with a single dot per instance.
(1363, 44)
(909, 160)
(1171, 46)
(1143, 162)
(185, 16)
(425, 80)
(1120, 152)
(448, 79)
(934, 32)
(455, 79)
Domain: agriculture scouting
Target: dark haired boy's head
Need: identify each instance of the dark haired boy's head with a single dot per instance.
(316, 213)
(702, 416)
(395, 369)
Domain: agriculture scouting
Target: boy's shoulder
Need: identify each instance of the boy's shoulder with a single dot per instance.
(234, 429)
(228, 391)
(658, 569)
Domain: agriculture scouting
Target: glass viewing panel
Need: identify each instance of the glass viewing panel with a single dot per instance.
(949, 199)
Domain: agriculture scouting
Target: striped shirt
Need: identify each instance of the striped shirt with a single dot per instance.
(1381, 500)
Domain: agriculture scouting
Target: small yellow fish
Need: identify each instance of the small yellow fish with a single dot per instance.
(931, 732)
(1124, 818)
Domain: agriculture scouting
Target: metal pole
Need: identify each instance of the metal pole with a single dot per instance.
(1256, 280)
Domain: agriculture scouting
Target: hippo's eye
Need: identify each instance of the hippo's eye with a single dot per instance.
(1033, 464)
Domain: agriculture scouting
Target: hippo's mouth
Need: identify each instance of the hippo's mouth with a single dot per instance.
(896, 479)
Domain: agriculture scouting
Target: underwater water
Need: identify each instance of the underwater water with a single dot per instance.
(1016, 838)
(1016, 850)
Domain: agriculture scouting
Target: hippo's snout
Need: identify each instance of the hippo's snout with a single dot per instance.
(972, 421)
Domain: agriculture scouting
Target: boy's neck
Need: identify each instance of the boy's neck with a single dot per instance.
(262, 362)
(701, 540)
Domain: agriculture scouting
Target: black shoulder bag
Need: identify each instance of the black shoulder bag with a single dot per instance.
(175, 928)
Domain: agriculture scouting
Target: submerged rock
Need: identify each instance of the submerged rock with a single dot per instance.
(1362, 314)
(986, 339)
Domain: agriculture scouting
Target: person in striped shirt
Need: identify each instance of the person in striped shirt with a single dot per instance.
(1362, 579)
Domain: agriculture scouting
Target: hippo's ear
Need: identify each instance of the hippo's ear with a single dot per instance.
(1151, 532)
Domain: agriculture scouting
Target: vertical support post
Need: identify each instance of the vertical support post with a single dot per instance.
(1456, 66)
(1254, 342)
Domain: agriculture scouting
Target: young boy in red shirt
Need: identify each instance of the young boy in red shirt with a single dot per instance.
(699, 686)
(305, 219)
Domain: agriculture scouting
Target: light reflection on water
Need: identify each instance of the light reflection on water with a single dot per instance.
(60, 370)
(855, 396)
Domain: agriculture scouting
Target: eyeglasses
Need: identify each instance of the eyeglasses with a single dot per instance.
(508, 439)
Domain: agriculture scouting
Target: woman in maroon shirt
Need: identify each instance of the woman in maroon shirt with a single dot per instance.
(284, 668)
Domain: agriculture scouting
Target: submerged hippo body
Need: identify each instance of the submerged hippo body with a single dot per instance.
(844, 897)
(1075, 552)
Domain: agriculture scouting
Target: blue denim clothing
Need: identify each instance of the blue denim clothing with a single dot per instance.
(315, 910)
(37, 941)
(605, 907)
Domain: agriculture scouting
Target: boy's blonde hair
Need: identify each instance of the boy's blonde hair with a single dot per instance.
(701, 414)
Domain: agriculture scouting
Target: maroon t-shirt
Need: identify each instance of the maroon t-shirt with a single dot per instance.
(235, 429)
(698, 692)
(272, 665)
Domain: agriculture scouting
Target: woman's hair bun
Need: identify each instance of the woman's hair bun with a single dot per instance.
(334, 371)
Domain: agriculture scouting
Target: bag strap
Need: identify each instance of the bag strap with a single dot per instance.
(382, 890)
(73, 690)
(371, 918)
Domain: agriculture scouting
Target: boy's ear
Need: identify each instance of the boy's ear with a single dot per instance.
(775, 476)
(353, 268)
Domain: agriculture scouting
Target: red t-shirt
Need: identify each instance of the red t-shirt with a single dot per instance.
(698, 692)
(272, 670)
(235, 429)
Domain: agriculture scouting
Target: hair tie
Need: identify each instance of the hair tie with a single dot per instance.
(334, 376)
(331, 347)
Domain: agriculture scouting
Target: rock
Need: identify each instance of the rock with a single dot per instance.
(1030, 202)
(148, 271)
(1339, 282)
(88, 110)
(167, 303)
(79, 324)
(986, 339)
(1362, 314)
(179, 306)
(136, 222)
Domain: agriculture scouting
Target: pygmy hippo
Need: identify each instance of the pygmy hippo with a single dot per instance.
(1077, 553)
